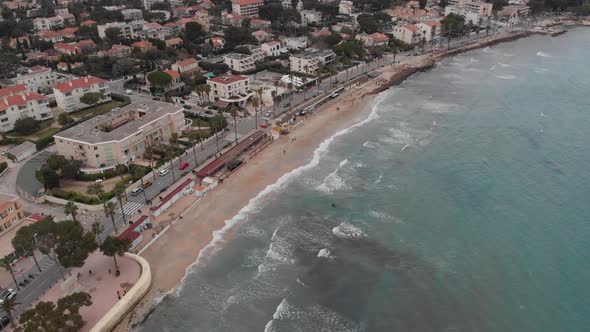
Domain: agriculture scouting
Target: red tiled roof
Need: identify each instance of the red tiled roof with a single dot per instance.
(65, 47)
(273, 43)
(247, 2)
(78, 83)
(152, 25)
(19, 99)
(433, 23)
(172, 73)
(130, 232)
(88, 23)
(259, 32)
(379, 36)
(36, 217)
(13, 89)
(257, 21)
(141, 44)
(186, 62)
(227, 79)
(168, 197)
(174, 41)
(412, 28)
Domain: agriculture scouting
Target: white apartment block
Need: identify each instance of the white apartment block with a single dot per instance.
(230, 88)
(120, 136)
(37, 79)
(295, 43)
(16, 103)
(248, 8)
(431, 29)
(126, 30)
(310, 16)
(67, 94)
(310, 60)
(55, 22)
(243, 62)
(409, 34)
(147, 4)
(272, 48)
(472, 10)
(345, 7)
(132, 14)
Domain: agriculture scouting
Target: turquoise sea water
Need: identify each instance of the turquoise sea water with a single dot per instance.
(461, 204)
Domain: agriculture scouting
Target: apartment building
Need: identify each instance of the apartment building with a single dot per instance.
(345, 7)
(16, 102)
(37, 79)
(11, 211)
(409, 34)
(310, 60)
(248, 8)
(121, 135)
(374, 39)
(67, 94)
(310, 16)
(431, 29)
(472, 10)
(295, 43)
(54, 22)
(126, 30)
(132, 14)
(243, 62)
(186, 66)
(272, 48)
(116, 51)
(230, 89)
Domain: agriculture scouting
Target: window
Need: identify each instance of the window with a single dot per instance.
(97, 155)
(10, 209)
(14, 219)
(96, 148)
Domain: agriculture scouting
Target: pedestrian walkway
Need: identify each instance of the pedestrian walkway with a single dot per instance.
(131, 208)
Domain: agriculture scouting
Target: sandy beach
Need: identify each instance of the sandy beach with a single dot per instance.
(184, 242)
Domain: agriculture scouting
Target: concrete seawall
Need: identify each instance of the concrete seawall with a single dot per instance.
(110, 320)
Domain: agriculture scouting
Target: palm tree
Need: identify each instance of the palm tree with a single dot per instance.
(215, 126)
(394, 50)
(290, 88)
(5, 263)
(318, 81)
(206, 90)
(149, 155)
(120, 170)
(109, 210)
(304, 81)
(9, 306)
(174, 143)
(233, 113)
(71, 209)
(274, 102)
(120, 192)
(255, 104)
(97, 229)
(193, 137)
(170, 154)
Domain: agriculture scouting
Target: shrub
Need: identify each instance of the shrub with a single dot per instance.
(27, 125)
(44, 142)
(3, 166)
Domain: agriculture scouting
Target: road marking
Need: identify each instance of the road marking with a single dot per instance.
(131, 208)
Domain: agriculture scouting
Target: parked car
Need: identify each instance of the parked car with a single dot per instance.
(7, 294)
(264, 125)
(146, 184)
(183, 165)
(4, 322)
(136, 191)
(232, 165)
(128, 91)
(163, 172)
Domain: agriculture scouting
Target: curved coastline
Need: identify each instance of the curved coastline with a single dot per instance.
(308, 155)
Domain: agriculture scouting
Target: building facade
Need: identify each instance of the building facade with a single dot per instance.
(189, 65)
(37, 79)
(310, 60)
(409, 34)
(120, 136)
(67, 94)
(230, 89)
(272, 48)
(11, 211)
(248, 8)
(16, 102)
(472, 10)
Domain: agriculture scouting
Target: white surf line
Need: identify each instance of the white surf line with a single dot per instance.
(493, 67)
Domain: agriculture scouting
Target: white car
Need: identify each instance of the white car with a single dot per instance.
(128, 91)
(7, 294)
(164, 172)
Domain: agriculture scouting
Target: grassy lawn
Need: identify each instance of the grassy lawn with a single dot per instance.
(47, 130)
(199, 122)
(96, 110)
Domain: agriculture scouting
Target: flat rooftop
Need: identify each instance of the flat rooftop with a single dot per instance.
(139, 114)
(237, 56)
(313, 53)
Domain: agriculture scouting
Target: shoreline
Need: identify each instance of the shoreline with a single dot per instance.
(195, 239)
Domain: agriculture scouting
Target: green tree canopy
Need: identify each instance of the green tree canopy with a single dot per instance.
(112, 33)
(47, 316)
(27, 125)
(367, 23)
(159, 78)
(113, 246)
(90, 98)
(193, 32)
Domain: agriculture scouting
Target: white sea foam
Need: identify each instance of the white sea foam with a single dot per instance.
(343, 163)
(325, 253)
(333, 182)
(503, 65)
(384, 216)
(348, 231)
(545, 55)
(506, 77)
(255, 203)
(379, 179)
(321, 318)
(370, 145)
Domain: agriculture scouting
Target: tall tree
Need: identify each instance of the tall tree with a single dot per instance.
(5, 263)
(73, 244)
(234, 113)
(9, 306)
(97, 228)
(170, 154)
(71, 209)
(109, 210)
(24, 242)
(47, 316)
(91, 98)
(120, 193)
(113, 246)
